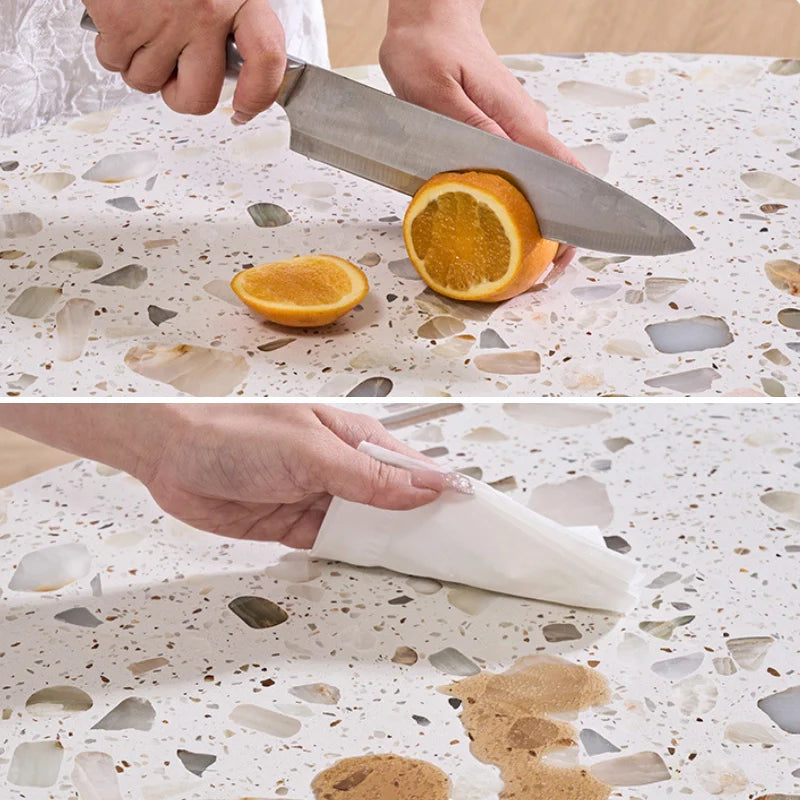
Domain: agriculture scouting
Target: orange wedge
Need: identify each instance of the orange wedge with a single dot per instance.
(302, 292)
(473, 236)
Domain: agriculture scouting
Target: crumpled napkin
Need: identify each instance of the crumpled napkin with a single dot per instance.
(487, 540)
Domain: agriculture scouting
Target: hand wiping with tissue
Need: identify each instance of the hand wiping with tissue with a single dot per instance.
(484, 539)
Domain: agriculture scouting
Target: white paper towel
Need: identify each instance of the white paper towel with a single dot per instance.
(486, 540)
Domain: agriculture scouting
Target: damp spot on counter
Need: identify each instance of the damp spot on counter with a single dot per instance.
(258, 612)
(384, 776)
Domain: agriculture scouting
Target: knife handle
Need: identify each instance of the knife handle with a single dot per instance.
(234, 61)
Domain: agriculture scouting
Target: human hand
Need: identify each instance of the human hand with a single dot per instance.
(177, 47)
(269, 471)
(436, 55)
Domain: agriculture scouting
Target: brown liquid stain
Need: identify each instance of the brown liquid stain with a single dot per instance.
(506, 717)
(381, 777)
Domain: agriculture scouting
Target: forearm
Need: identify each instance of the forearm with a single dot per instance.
(403, 13)
(129, 437)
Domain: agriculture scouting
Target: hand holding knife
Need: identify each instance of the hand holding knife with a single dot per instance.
(386, 140)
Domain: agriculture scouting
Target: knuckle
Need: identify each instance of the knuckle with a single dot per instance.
(143, 84)
(108, 60)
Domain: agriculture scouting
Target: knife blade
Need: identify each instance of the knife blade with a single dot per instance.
(397, 144)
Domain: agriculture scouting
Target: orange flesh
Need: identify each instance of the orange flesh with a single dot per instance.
(461, 241)
(307, 284)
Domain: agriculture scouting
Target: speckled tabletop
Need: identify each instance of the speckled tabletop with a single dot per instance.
(143, 306)
(170, 694)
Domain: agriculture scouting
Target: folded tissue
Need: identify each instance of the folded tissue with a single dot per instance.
(486, 539)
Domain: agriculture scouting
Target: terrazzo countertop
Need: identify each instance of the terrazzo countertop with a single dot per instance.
(167, 692)
(122, 288)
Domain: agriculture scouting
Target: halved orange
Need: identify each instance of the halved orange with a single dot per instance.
(302, 292)
(474, 236)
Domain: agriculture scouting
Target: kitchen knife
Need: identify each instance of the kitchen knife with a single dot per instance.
(386, 140)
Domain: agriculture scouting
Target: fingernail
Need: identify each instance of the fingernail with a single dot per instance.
(240, 118)
(459, 483)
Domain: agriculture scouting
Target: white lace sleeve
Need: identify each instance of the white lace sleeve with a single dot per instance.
(48, 67)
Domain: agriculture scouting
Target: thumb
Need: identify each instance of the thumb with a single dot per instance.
(351, 475)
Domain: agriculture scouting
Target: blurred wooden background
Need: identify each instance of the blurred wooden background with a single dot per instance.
(755, 27)
(355, 27)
